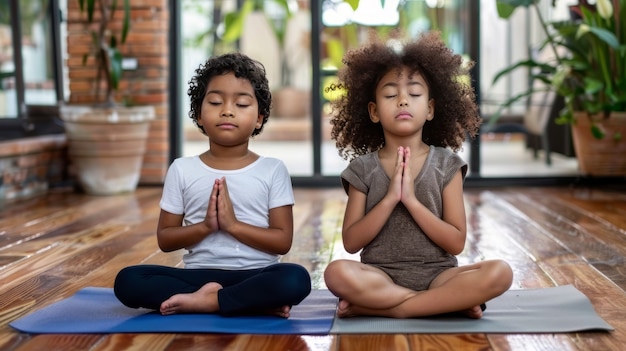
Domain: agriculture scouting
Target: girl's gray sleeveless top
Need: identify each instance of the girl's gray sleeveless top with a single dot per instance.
(401, 248)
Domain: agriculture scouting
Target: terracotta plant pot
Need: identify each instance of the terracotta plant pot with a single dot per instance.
(291, 103)
(106, 146)
(600, 157)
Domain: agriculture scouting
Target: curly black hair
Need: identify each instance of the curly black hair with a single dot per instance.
(243, 67)
(456, 112)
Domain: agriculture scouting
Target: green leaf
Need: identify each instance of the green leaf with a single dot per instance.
(591, 107)
(234, 21)
(565, 117)
(606, 36)
(91, 6)
(507, 7)
(558, 78)
(543, 67)
(335, 51)
(353, 3)
(126, 21)
(116, 67)
(592, 85)
(285, 5)
(597, 132)
(524, 95)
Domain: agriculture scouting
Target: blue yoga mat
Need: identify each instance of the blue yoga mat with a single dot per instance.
(97, 310)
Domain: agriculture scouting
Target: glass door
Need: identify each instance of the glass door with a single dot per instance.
(301, 43)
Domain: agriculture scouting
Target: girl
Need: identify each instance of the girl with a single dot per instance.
(404, 113)
(230, 208)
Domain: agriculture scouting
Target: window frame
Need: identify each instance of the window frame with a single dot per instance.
(34, 120)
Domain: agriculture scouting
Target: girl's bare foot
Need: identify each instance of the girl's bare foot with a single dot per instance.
(344, 309)
(204, 300)
(475, 312)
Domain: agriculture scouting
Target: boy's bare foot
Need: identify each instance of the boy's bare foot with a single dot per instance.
(281, 312)
(204, 300)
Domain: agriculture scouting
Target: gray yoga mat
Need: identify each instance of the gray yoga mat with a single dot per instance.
(559, 309)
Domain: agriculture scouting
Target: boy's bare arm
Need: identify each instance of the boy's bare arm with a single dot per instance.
(275, 239)
(172, 235)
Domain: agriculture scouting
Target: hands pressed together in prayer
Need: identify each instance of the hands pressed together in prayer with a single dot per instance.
(220, 213)
(401, 187)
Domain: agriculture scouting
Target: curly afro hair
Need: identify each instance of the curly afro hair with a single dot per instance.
(456, 112)
(243, 67)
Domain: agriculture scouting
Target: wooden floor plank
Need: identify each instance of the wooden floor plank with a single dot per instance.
(500, 216)
(492, 236)
(601, 246)
(48, 254)
(607, 298)
(557, 259)
(450, 342)
(134, 342)
(372, 342)
(533, 342)
(86, 266)
(59, 342)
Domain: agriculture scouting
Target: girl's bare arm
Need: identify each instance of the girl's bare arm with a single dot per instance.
(358, 228)
(448, 232)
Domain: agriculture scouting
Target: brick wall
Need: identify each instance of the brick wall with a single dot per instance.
(147, 42)
(30, 166)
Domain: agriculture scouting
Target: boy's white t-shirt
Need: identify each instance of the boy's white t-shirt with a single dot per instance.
(253, 190)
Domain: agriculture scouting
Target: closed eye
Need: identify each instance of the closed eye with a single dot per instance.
(393, 96)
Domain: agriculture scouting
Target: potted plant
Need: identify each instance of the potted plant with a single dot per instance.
(589, 72)
(106, 140)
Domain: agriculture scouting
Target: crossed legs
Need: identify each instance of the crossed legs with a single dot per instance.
(366, 290)
(273, 289)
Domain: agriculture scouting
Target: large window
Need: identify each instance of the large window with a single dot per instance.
(30, 80)
(300, 42)
(301, 46)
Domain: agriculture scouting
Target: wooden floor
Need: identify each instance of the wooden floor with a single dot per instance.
(52, 246)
